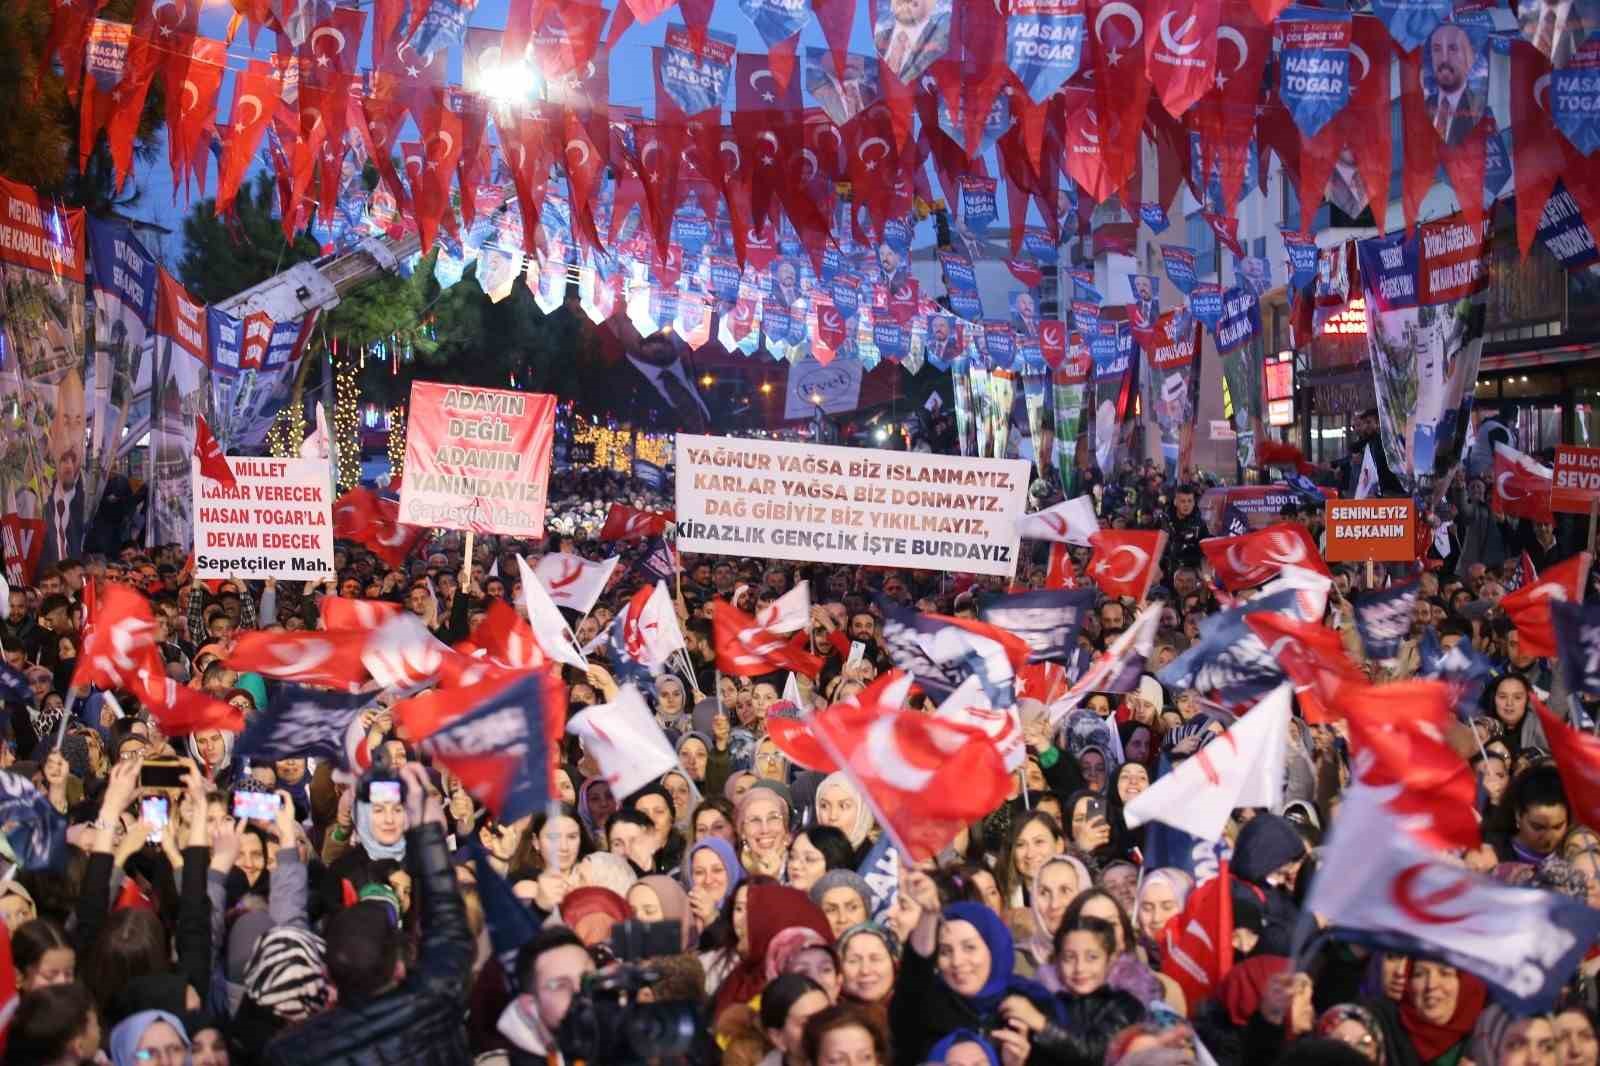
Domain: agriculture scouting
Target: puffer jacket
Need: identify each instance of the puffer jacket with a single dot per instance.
(422, 1021)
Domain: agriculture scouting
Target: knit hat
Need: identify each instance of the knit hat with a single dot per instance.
(842, 879)
(1266, 842)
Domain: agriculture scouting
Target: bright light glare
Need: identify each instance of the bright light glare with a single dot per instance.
(881, 433)
(510, 83)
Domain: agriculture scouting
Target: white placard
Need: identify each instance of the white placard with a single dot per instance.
(278, 522)
(781, 500)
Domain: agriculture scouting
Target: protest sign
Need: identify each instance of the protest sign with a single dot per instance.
(835, 388)
(1383, 531)
(276, 522)
(1576, 484)
(477, 459)
(781, 500)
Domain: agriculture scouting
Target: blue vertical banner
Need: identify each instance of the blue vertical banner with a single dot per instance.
(444, 25)
(1314, 71)
(1565, 234)
(776, 20)
(1240, 321)
(1575, 97)
(1179, 261)
(1411, 21)
(1044, 43)
(694, 82)
(961, 282)
(1302, 254)
(978, 205)
(1205, 303)
(124, 291)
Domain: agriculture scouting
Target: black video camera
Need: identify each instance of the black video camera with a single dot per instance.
(606, 1023)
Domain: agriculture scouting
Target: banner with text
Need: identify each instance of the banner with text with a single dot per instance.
(277, 521)
(781, 500)
(1383, 531)
(1576, 484)
(477, 459)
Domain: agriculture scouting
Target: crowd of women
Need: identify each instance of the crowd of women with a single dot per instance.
(362, 918)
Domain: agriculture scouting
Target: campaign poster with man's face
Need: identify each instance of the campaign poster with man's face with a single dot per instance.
(1455, 80)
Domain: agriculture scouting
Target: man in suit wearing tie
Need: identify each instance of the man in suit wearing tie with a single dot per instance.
(64, 503)
(1455, 107)
(662, 394)
(913, 37)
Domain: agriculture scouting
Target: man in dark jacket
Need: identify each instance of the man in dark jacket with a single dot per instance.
(1185, 530)
(388, 1011)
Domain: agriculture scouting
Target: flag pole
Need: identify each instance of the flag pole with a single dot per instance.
(466, 559)
(66, 716)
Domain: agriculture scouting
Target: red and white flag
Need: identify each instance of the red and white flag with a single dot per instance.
(550, 630)
(625, 739)
(1521, 486)
(969, 706)
(1577, 756)
(341, 612)
(1197, 942)
(789, 613)
(1068, 522)
(924, 778)
(402, 653)
(649, 628)
(628, 523)
(330, 658)
(505, 638)
(1125, 562)
(746, 648)
(1254, 558)
(1312, 656)
(1241, 768)
(1117, 669)
(213, 464)
(791, 731)
(121, 641)
(1529, 606)
(573, 581)
(371, 520)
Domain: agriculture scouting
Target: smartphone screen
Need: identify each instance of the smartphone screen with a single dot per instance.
(384, 792)
(256, 806)
(153, 809)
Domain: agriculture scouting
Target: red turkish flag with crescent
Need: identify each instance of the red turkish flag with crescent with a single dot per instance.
(1226, 115)
(255, 100)
(1577, 757)
(192, 113)
(925, 778)
(121, 640)
(330, 658)
(1529, 606)
(69, 33)
(627, 523)
(1314, 658)
(1125, 561)
(363, 516)
(1521, 486)
(1254, 558)
(1544, 153)
(525, 147)
(745, 648)
(213, 464)
(1362, 126)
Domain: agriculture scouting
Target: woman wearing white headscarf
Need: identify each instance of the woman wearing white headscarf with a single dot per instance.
(839, 804)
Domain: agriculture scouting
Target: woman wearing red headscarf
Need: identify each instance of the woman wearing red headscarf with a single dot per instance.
(760, 912)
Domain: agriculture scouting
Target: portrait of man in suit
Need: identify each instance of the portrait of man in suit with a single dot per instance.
(786, 282)
(64, 504)
(1557, 27)
(1455, 104)
(1146, 307)
(1346, 190)
(940, 337)
(661, 392)
(1024, 314)
(913, 37)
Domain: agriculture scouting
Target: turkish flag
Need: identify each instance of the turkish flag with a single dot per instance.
(1254, 558)
(745, 648)
(1397, 736)
(1312, 655)
(1529, 606)
(120, 642)
(255, 100)
(330, 658)
(1521, 486)
(1125, 561)
(179, 710)
(627, 523)
(1197, 942)
(213, 464)
(341, 612)
(1577, 757)
(507, 638)
(365, 517)
(926, 778)
(791, 731)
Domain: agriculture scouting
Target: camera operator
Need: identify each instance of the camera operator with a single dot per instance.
(550, 971)
(391, 1008)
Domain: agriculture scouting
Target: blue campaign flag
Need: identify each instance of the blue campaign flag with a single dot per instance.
(1229, 660)
(1497, 165)
(1044, 43)
(649, 473)
(1234, 523)
(1179, 261)
(940, 652)
(1240, 321)
(1083, 287)
(444, 25)
(776, 20)
(1578, 644)
(892, 340)
(14, 687)
(881, 870)
(1037, 242)
(1086, 317)
(1302, 251)
(499, 749)
(1205, 303)
(305, 722)
(509, 921)
(1154, 215)
(1410, 21)
(978, 205)
(1574, 90)
(1048, 620)
(1462, 667)
(1314, 66)
(36, 833)
(1383, 619)
(1564, 233)
(1000, 343)
(1389, 270)
(694, 82)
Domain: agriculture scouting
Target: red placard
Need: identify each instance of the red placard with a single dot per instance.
(1384, 531)
(477, 459)
(1576, 484)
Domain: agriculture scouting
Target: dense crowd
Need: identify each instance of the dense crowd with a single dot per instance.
(366, 920)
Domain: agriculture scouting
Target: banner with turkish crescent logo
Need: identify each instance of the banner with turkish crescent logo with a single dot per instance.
(1254, 558)
(1181, 50)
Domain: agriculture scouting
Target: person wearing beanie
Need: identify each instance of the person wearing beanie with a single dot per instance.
(845, 899)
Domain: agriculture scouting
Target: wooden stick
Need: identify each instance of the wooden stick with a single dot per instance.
(466, 560)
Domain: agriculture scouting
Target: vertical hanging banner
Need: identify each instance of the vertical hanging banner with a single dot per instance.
(117, 381)
(1068, 386)
(1180, 265)
(180, 393)
(696, 79)
(1175, 384)
(1575, 97)
(1425, 322)
(253, 364)
(1181, 50)
(978, 204)
(1114, 387)
(41, 372)
(1315, 65)
(276, 521)
(477, 459)
(911, 37)
(1240, 322)
(1411, 21)
(1044, 43)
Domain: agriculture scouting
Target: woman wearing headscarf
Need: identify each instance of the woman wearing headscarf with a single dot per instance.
(964, 1047)
(672, 705)
(1059, 881)
(212, 751)
(146, 1037)
(1502, 1039)
(658, 898)
(285, 982)
(380, 833)
(759, 912)
(1355, 1025)
(761, 818)
(711, 871)
(1434, 1016)
(839, 804)
(869, 960)
(1161, 895)
(596, 804)
(957, 971)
